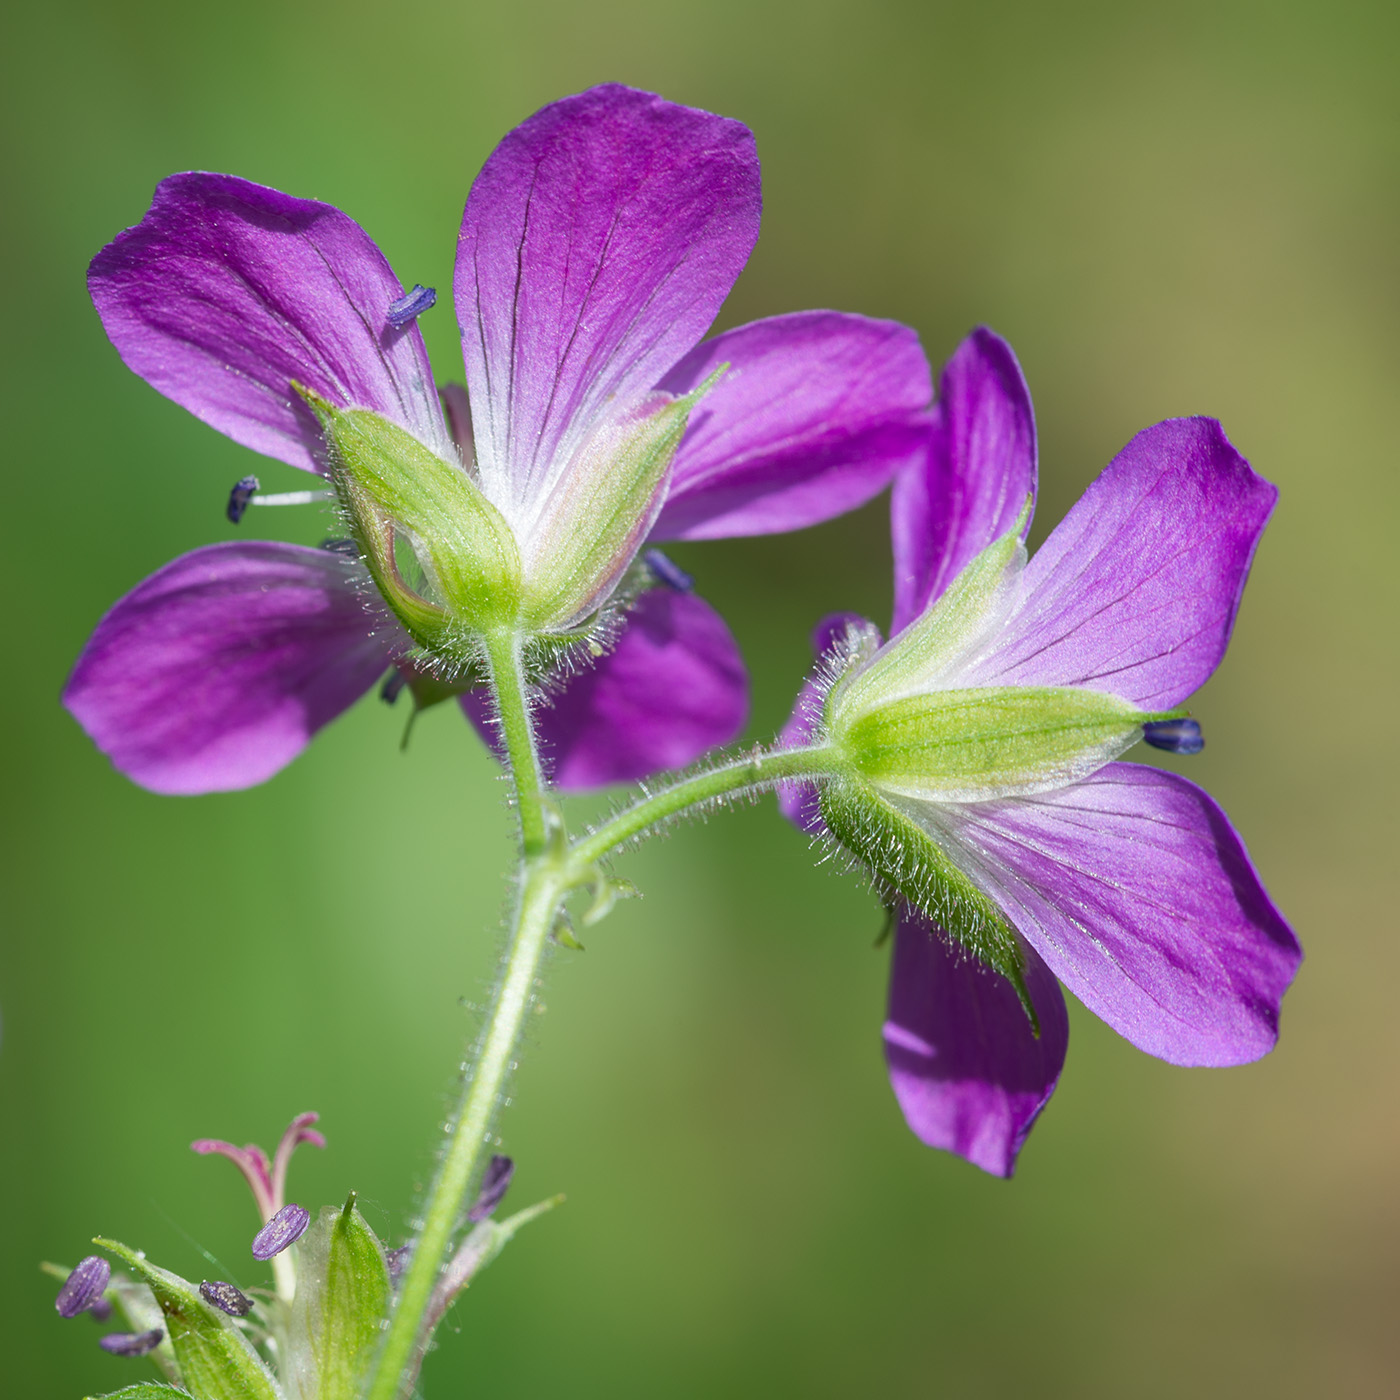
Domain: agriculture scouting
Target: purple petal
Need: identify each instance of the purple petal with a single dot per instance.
(971, 485)
(966, 1066)
(227, 291)
(84, 1287)
(672, 688)
(798, 801)
(281, 1232)
(1138, 893)
(216, 671)
(597, 245)
(494, 1184)
(1135, 591)
(814, 415)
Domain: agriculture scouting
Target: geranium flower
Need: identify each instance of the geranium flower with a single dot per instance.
(597, 245)
(982, 791)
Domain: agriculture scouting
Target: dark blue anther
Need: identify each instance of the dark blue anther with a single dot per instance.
(226, 1298)
(667, 572)
(285, 1228)
(346, 547)
(131, 1343)
(84, 1287)
(238, 498)
(411, 305)
(499, 1171)
(1174, 735)
(394, 682)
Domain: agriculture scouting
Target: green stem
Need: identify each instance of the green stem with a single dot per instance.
(761, 770)
(513, 710)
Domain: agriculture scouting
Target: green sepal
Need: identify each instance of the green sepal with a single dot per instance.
(600, 511)
(144, 1390)
(216, 1360)
(975, 745)
(342, 1301)
(909, 864)
(388, 482)
(972, 605)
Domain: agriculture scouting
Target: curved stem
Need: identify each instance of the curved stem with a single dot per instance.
(757, 771)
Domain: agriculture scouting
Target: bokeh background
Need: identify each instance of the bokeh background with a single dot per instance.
(1167, 209)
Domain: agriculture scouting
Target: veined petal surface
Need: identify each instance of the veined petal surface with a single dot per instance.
(214, 673)
(815, 413)
(965, 1064)
(228, 291)
(1138, 893)
(1136, 590)
(971, 484)
(673, 687)
(597, 244)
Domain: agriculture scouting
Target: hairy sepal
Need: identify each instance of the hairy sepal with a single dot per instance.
(395, 490)
(342, 1301)
(908, 863)
(600, 510)
(215, 1360)
(942, 640)
(976, 745)
(145, 1390)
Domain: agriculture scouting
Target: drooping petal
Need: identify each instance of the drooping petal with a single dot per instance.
(798, 801)
(973, 481)
(966, 1066)
(215, 672)
(1140, 896)
(597, 245)
(673, 687)
(228, 291)
(814, 415)
(1135, 591)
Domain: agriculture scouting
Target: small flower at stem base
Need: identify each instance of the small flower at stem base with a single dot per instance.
(285, 1228)
(84, 1287)
(131, 1343)
(226, 1298)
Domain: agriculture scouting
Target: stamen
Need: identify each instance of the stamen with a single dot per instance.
(292, 498)
(494, 1183)
(346, 547)
(131, 1343)
(1174, 735)
(394, 682)
(226, 1298)
(84, 1287)
(285, 1228)
(668, 572)
(239, 497)
(397, 1261)
(411, 305)
(101, 1310)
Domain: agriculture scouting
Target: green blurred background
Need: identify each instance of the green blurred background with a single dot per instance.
(1167, 209)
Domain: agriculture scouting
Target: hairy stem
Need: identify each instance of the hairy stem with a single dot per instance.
(513, 713)
(754, 773)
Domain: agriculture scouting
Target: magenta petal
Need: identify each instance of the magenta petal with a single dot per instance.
(672, 688)
(966, 1066)
(216, 671)
(1136, 589)
(597, 245)
(1139, 894)
(228, 291)
(814, 415)
(973, 481)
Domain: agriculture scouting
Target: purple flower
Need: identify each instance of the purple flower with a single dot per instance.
(1041, 857)
(597, 244)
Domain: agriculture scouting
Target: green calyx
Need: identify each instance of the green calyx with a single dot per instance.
(601, 510)
(909, 864)
(441, 554)
(979, 744)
